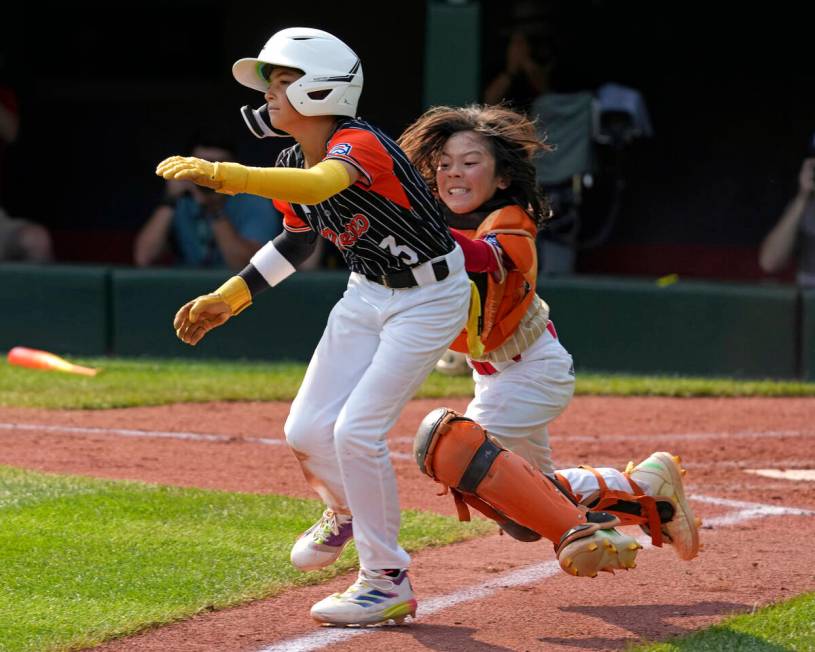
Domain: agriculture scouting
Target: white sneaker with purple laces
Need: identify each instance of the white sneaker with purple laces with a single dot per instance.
(322, 543)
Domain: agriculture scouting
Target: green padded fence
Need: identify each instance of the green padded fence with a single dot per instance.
(808, 335)
(611, 325)
(284, 323)
(693, 328)
(63, 309)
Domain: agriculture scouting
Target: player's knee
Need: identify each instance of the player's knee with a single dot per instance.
(353, 440)
(304, 434)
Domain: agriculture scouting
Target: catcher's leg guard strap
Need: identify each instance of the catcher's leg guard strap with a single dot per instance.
(458, 453)
(513, 529)
(479, 466)
(633, 508)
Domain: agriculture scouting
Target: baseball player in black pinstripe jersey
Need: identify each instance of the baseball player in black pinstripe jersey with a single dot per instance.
(407, 298)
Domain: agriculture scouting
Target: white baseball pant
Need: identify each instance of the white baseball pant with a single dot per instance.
(516, 404)
(378, 347)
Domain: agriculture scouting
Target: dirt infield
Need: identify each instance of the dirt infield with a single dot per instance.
(493, 594)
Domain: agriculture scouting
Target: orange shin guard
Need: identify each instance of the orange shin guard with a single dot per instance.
(458, 453)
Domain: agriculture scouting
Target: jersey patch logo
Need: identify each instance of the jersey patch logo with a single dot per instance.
(341, 149)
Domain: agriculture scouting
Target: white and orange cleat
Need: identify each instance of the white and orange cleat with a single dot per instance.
(660, 476)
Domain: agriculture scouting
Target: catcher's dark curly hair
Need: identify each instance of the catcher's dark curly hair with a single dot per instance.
(512, 138)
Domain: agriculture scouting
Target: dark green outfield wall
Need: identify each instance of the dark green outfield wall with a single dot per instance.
(607, 324)
(808, 335)
(284, 324)
(685, 328)
(56, 308)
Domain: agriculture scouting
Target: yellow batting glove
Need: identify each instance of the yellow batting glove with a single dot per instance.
(189, 168)
(227, 178)
(199, 316)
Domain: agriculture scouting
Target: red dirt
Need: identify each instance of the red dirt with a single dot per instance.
(742, 566)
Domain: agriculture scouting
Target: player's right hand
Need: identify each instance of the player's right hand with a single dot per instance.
(199, 316)
(189, 168)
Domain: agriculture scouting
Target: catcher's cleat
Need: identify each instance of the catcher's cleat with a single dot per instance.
(322, 543)
(374, 598)
(597, 546)
(662, 474)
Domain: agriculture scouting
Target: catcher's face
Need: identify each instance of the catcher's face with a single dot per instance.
(465, 176)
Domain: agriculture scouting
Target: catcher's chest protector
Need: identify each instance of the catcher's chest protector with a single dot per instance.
(458, 453)
(507, 298)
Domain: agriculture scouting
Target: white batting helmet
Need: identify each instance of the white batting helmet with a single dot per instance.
(332, 74)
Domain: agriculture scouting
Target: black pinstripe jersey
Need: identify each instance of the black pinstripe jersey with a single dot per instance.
(388, 220)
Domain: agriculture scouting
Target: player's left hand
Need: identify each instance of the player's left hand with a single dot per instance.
(199, 316)
(189, 168)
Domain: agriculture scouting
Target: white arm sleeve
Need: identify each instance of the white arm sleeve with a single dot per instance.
(271, 264)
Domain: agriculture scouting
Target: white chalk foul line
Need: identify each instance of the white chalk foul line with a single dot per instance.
(323, 638)
(744, 511)
(679, 436)
(695, 436)
(269, 441)
(130, 432)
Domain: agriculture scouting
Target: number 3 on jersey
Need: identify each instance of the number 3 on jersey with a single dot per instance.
(403, 252)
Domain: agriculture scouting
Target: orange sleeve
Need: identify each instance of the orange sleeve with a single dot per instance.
(291, 222)
(363, 151)
(520, 249)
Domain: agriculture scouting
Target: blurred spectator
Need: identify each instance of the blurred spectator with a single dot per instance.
(197, 227)
(564, 120)
(20, 239)
(529, 60)
(523, 78)
(794, 234)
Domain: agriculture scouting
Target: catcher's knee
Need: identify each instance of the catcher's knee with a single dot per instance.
(448, 445)
(425, 440)
(457, 452)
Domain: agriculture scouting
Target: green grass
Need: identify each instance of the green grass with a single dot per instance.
(787, 626)
(84, 560)
(678, 386)
(134, 382)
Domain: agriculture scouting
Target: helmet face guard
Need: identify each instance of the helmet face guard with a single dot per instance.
(332, 73)
(258, 122)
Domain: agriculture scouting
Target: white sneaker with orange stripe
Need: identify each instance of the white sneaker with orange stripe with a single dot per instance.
(660, 476)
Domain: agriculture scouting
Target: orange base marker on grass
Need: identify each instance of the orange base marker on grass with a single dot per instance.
(36, 359)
